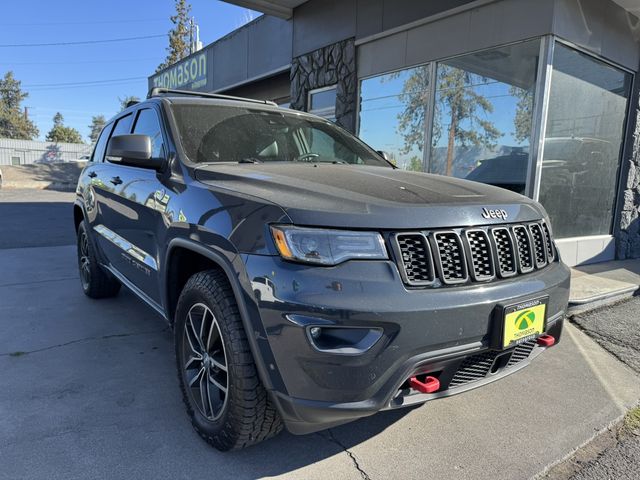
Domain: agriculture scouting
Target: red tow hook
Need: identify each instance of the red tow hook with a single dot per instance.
(430, 384)
(546, 340)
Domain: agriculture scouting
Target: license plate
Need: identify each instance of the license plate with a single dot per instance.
(524, 321)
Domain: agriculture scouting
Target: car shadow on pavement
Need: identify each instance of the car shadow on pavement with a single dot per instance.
(287, 453)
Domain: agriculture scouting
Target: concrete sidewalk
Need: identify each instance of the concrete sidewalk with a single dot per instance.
(90, 390)
(602, 283)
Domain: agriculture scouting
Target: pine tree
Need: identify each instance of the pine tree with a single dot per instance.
(457, 100)
(178, 36)
(60, 133)
(124, 102)
(13, 123)
(97, 124)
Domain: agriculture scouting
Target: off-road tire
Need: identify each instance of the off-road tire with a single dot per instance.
(248, 415)
(100, 284)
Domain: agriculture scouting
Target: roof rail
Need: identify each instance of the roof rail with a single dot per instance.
(158, 91)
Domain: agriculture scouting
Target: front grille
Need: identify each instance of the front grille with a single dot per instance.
(480, 255)
(505, 251)
(523, 245)
(478, 366)
(547, 236)
(473, 368)
(539, 246)
(521, 352)
(449, 257)
(416, 258)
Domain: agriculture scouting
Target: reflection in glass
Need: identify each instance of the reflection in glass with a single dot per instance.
(483, 112)
(393, 109)
(585, 127)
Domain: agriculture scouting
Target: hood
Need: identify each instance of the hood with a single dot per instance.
(369, 197)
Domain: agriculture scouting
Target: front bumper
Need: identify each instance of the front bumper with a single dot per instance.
(423, 330)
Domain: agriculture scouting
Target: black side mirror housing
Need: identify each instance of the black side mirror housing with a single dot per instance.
(133, 150)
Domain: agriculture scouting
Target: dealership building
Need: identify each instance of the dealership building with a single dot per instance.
(538, 96)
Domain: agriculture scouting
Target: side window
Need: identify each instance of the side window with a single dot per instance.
(148, 124)
(101, 144)
(123, 125)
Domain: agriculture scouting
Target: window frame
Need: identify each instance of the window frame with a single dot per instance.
(321, 112)
(138, 112)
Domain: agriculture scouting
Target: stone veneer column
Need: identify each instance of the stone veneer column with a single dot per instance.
(627, 225)
(327, 66)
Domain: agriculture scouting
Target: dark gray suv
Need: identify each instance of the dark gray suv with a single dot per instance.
(308, 281)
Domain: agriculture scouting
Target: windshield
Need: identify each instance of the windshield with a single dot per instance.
(213, 133)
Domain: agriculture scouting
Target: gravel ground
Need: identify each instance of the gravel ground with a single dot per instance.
(616, 328)
(615, 454)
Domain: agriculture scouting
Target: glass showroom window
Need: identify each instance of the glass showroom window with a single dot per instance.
(393, 109)
(322, 102)
(483, 113)
(583, 139)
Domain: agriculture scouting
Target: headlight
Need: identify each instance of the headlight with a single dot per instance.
(327, 247)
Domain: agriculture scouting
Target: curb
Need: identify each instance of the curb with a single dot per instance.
(582, 305)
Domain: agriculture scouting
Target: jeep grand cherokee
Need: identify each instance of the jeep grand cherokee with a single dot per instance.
(308, 281)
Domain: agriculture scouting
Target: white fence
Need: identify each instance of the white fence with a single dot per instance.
(24, 152)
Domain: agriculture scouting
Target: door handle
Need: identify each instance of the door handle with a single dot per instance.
(92, 174)
(116, 180)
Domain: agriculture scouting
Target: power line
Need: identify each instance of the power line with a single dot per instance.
(83, 42)
(98, 22)
(82, 62)
(91, 82)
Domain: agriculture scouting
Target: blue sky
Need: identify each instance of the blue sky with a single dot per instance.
(38, 68)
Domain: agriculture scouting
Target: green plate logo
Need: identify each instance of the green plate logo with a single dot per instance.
(525, 320)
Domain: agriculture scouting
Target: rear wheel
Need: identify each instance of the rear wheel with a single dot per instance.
(228, 405)
(96, 283)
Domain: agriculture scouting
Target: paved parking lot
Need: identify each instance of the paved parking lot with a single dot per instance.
(89, 390)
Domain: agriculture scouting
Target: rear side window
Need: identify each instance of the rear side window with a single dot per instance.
(148, 124)
(101, 144)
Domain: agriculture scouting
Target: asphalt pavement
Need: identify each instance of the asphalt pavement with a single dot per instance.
(89, 390)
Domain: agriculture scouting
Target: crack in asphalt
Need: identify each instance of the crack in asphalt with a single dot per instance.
(80, 340)
(354, 459)
(19, 284)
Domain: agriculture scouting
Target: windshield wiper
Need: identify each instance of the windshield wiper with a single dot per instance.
(249, 160)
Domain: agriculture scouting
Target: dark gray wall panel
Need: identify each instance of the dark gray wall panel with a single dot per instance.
(230, 59)
(269, 43)
(600, 26)
(399, 12)
(384, 55)
(369, 17)
(277, 87)
(319, 23)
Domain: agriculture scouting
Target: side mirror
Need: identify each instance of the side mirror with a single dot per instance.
(133, 150)
(384, 155)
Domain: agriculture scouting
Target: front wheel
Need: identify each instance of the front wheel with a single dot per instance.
(228, 405)
(96, 283)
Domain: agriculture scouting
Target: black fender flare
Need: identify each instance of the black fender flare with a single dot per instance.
(256, 334)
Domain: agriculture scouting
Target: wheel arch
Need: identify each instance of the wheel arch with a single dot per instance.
(256, 335)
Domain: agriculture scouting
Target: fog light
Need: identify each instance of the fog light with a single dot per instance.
(343, 340)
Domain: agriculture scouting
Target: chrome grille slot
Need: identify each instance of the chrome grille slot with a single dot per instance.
(523, 246)
(505, 251)
(415, 256)
(480, 258)
(449, 256)
(539, 245)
